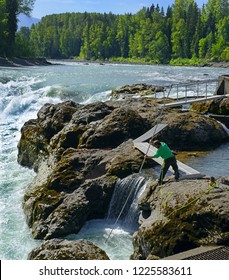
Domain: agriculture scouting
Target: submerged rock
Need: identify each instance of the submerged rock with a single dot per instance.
(59, 249)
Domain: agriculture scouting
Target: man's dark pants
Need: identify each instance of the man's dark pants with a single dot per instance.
(167, 163)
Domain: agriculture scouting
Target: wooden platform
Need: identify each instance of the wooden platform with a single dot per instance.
(149, 134)
(185, 170)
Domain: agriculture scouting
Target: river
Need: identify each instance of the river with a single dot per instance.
(22, 93)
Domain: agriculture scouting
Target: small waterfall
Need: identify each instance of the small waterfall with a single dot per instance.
(127, 191)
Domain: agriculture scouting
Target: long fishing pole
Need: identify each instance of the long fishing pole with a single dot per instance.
(157, 121)
(143, 162)
(138, 172)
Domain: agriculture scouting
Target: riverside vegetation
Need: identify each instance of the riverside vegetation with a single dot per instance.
(184, 34)
(80, 151)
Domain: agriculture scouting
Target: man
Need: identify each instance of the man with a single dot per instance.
(169, 160)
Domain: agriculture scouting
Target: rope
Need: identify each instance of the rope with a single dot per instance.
(212, 186)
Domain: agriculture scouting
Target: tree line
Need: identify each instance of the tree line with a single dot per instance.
(9, 10)
(184, 31)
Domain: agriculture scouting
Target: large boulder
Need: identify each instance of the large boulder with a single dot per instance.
(219, 106)
(69, 125)
(122, 124)
(80, 151)
(59, 249)
(82, 122)
(32, 144)
(36, 134)
(192, 131)
(217, 109)
(52, 118)
(136, 89)
(52, 213)
(179, 216)
(77, 188)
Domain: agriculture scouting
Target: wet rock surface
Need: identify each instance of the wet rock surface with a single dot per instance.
(80, 151)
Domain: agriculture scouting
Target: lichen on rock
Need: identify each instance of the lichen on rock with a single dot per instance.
(181, 216)
(58, 249)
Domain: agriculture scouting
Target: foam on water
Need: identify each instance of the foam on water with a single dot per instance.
(114, 234)
(118, 247)
(101, 96)
(18, 103)
(15, 241)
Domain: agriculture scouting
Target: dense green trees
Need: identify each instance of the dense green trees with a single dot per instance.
(3, 25)
(185, 31)
(9, 9)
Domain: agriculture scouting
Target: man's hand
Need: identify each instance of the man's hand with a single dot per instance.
(146, 156)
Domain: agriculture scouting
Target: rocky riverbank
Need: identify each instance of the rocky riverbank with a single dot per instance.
(220, 64)
(80, 151)
(19, 62)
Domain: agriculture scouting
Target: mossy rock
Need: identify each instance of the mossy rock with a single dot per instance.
(190, 131)
(218, 107)
(184, 215)
(121, 125)
(185, 230)
(39, 202)
(142, 89)
(69, 137)
(59, 249)
(32, 144)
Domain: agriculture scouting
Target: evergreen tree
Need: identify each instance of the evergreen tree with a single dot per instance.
(3, 25)
(23, 42)
(220, 48)
(12, 9)
(25, 6)
(123, 35)
(184, 23)
(9, 9)
(185, 31)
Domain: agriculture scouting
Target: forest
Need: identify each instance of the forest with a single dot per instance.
(9, 10)
(183, 32)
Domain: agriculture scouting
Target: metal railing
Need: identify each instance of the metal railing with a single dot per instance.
(192, 89)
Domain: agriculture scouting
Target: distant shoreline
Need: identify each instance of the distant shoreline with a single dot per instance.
(221, 64)
(20, 62)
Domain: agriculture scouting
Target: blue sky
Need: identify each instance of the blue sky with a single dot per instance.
(46, 7)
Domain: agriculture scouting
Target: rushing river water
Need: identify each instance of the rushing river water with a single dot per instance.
(22, 93)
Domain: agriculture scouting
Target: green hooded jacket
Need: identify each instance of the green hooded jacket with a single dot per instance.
(163, 151)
